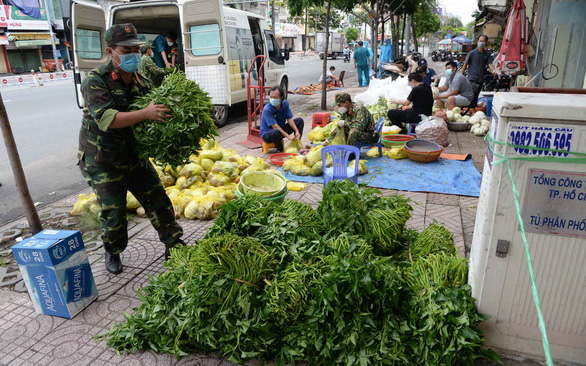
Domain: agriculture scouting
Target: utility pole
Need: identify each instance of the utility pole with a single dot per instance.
(55, 57)
(306, 34)
(272, 15)
(30, 211)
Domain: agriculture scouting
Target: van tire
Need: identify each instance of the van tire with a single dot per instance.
(220, 114)
(285, 86)
(334, 56)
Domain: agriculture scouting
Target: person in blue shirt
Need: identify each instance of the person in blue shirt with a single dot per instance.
(362, 63)
(165, 50)
(277, 120)
(429, 75)
(386, 55)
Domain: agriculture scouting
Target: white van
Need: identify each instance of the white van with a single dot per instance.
(216, 44)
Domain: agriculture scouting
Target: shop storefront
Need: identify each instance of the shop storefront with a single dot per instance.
(26, 36)
(287, 36)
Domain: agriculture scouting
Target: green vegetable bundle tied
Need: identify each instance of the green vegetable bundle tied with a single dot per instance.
(191, 120)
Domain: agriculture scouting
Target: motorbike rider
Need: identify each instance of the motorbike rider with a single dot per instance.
(429, 75)
(386, 55)
(346, 54)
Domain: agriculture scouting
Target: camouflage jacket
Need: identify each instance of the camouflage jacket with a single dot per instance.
(149, 69)
(106, 94)
(357, 118)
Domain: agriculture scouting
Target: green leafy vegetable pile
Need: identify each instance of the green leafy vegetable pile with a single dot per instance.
(343, 284)
(172, 143)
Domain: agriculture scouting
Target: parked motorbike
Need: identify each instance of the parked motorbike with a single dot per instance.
(401, 67)
(435, 56)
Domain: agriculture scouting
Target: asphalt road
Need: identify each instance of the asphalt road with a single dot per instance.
(45, 122)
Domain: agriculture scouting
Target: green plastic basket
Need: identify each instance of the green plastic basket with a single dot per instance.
(277, 199)
(262, 183)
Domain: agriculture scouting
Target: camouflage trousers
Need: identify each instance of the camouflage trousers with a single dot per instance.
(354, 136)
(110, 183)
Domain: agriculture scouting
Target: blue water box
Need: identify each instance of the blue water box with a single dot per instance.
(56, 271)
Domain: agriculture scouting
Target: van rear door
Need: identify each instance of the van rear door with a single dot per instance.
(88, 32)
(204, 40)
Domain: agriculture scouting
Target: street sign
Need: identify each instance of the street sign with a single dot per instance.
(371, 14)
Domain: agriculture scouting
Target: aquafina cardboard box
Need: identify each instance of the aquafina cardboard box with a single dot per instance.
(56, 271)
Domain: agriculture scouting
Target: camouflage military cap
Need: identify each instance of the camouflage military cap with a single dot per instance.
(341, 98)
(122, 35)
(145, 47)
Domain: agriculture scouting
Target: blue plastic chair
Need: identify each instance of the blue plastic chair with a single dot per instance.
(340, 154)
(379, 144)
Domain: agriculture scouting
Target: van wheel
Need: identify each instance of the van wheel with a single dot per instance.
(334, 56)
(285, 86)
(220, 114)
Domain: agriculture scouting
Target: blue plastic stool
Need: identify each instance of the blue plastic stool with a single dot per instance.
(411, 129)
(379, 144)
(340, 154)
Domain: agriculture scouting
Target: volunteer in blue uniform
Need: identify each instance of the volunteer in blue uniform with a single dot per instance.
(277, 120)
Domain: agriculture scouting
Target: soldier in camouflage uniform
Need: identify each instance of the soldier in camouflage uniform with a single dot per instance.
(148, 68)
(358, 123)
(106, 156)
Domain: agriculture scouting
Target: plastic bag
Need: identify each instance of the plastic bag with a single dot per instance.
(191, 169)
(226, 168)
(362, 168)
(340, 138)
(294, 147)
(131, 202)
(83, 203)
(212, 154)
(373, 153)
(313, 156)
(218, 179)
(294, 186)
(433, 129)
(397, 153)
(300, 169)
(317, 169)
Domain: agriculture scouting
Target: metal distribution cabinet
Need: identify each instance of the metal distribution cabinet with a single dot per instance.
(553, 205)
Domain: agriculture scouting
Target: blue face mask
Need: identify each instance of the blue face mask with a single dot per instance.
(275, 102)
(129, 62)
(449, 72)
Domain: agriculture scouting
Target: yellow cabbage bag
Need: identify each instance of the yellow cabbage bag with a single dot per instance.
(207, 164)
(218, 179)
(295, 186)
(313, 156)
(191, 169)
(131, 202)
(83, 203)
(362, 168)
(294, 147)
(372, 153)
(397, 153)
(317, 169)
(340, 138)
(300, 169)
(211, 154)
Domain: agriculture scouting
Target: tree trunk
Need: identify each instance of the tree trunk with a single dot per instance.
(30, 211)
(324, 95)
(414, 35)
(375, 22)
(394, 36)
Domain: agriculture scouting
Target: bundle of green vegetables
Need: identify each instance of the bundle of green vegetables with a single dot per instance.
(343, 284)
(171, 143)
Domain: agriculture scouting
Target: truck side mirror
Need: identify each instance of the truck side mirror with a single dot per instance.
(286, 56)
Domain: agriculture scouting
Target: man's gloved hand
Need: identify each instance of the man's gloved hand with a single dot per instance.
(340, 123)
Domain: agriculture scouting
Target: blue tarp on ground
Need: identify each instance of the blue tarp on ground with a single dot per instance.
(442, 176)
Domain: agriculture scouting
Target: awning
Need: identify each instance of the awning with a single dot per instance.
(4, 41)
(445, 41)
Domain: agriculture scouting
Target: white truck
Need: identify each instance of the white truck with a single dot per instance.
(216, 44)
(335, 46)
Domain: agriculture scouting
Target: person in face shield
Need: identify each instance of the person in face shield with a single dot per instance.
(165, 50)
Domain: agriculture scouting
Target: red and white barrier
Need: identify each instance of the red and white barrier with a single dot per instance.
(30, 79)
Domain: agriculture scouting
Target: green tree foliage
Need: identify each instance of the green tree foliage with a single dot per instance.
(426, 22)
(351, 34)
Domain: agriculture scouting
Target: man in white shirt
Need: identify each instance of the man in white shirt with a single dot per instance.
(329, 76)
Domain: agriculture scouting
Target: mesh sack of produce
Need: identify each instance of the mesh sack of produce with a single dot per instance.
(433, 129)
